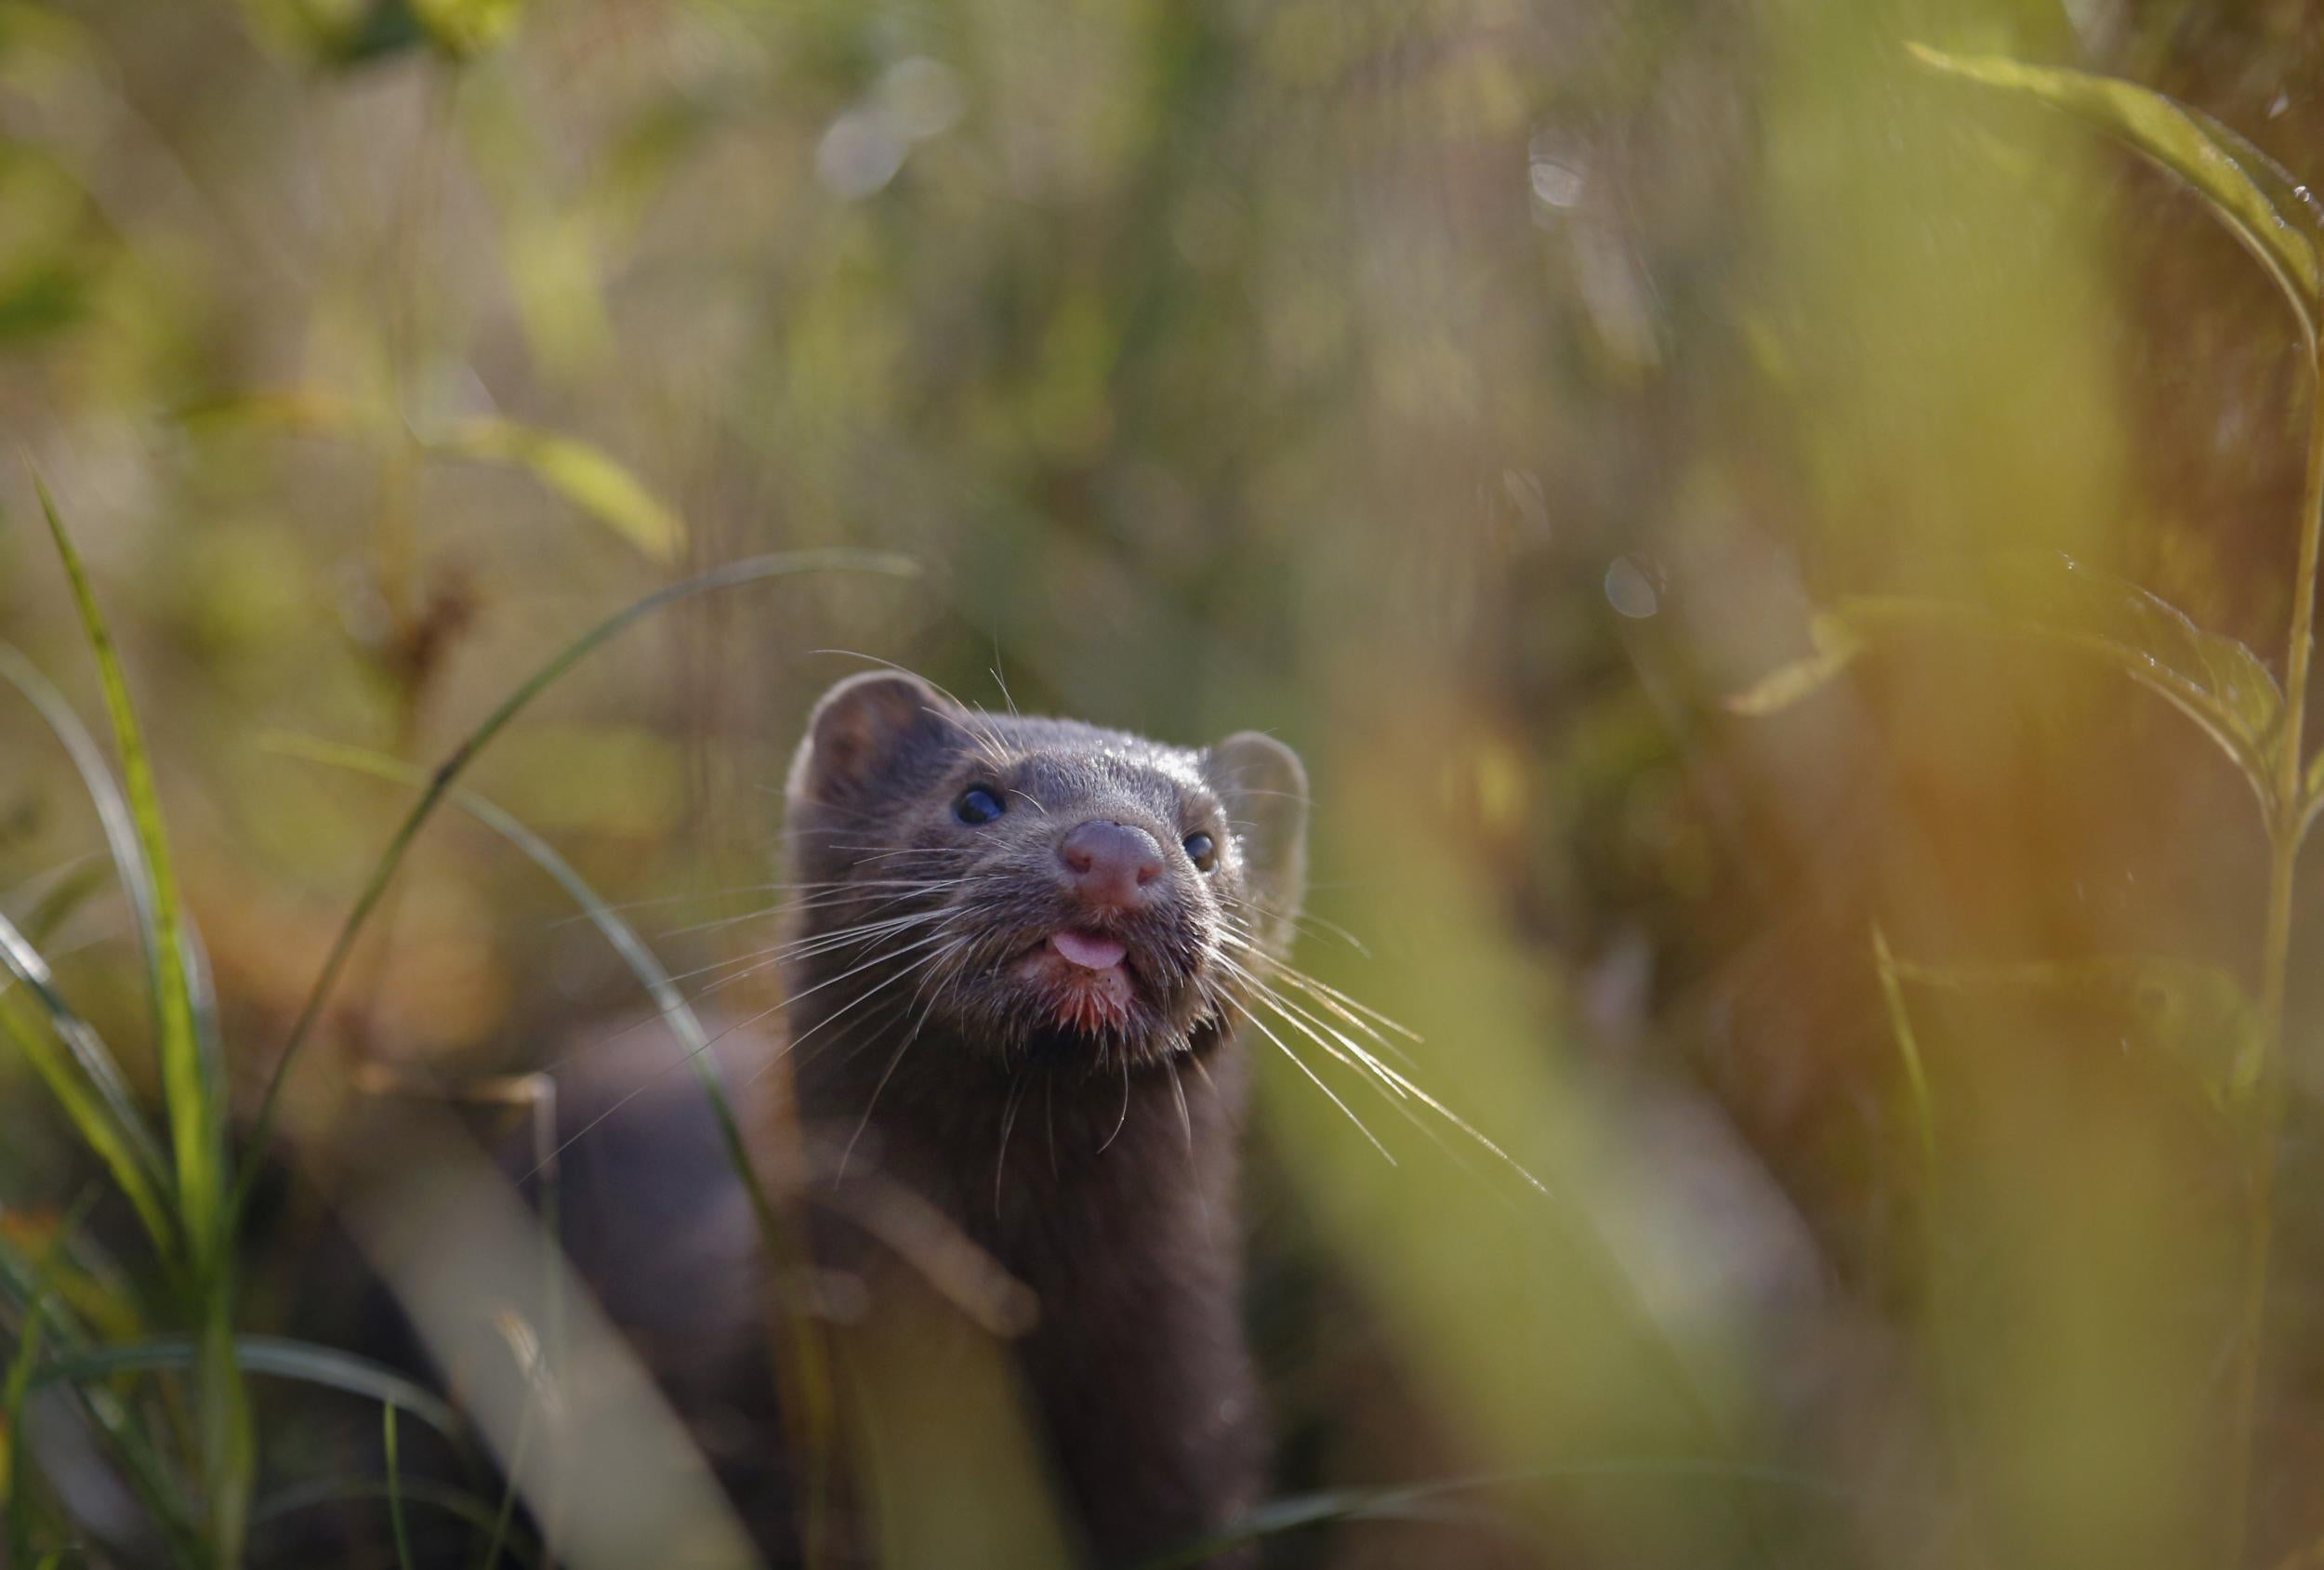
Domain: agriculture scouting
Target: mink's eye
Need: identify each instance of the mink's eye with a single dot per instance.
(1202, 851)
(977, 805)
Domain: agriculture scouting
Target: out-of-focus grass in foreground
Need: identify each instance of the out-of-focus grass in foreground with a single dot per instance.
(1790, 561)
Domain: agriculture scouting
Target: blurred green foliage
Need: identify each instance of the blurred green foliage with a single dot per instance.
(1479, 395)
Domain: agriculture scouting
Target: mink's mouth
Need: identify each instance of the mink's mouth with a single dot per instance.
(1070, 986)
(1084, 980)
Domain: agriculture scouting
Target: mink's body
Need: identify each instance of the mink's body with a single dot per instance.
(1014, 993)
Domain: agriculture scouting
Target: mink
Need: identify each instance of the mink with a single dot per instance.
(1017, 966)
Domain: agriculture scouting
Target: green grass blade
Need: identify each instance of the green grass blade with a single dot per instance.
(584, 475)
(652, 975)
(193, 1089)
(2214, 681)
(90, 1119)
(590, 478)
(314, 1492)
(129, 860)
(61, 900)
(751, 570)
(229, 1441)
(1908, 1049)
(22, 1280)
(2312, 794)
(1424, 1501)
(88, 1086)
(18, 1386)
(275, 1357)
(1836, 646)
(22, 961)
(504, 1514)
(395, 1489)
(97, 778)
(808, 1380)
(190, 1086)
(2276, 218)
(292, 411)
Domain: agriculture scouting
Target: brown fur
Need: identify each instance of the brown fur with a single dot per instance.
(1096, 1166)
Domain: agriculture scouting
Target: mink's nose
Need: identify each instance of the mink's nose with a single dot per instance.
(1110, 864)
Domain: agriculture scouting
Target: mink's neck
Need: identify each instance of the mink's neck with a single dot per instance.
(1113, 1200)
(1073, 1178)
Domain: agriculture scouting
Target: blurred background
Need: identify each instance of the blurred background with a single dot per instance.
(1476, 394)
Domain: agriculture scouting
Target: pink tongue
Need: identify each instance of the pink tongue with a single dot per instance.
(1091, 954)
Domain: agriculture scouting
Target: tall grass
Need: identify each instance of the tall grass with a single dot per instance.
(2214, 681)
(197, 1486)
(1191, 367)
(184, 1208)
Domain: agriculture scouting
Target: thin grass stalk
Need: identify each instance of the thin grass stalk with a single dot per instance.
(395, 1489)
(276, 1356)
(62, 898)
(142, 1182)
(141, 1464)
(415, 1490)
(19, 1382)
(505, 1512)
(751, 570)
(229, 1437)
(552, 1365)
(1416, 1501)
(196, 1110)
(121, 837)
(193, 1092)
(812, 1407)
(2285, 831)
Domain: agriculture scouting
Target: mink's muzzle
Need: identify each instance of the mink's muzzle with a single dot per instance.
(1047, 963)
(1062, 925)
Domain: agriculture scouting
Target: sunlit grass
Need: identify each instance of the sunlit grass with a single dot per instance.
(1835, 1127)
(186, 1208)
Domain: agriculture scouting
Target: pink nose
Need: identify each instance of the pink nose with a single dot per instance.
(1111, 865)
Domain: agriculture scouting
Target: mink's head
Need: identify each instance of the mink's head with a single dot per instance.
(1035, 887)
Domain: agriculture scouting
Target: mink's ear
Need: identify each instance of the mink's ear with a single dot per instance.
(861, 729)
(1264, 790)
